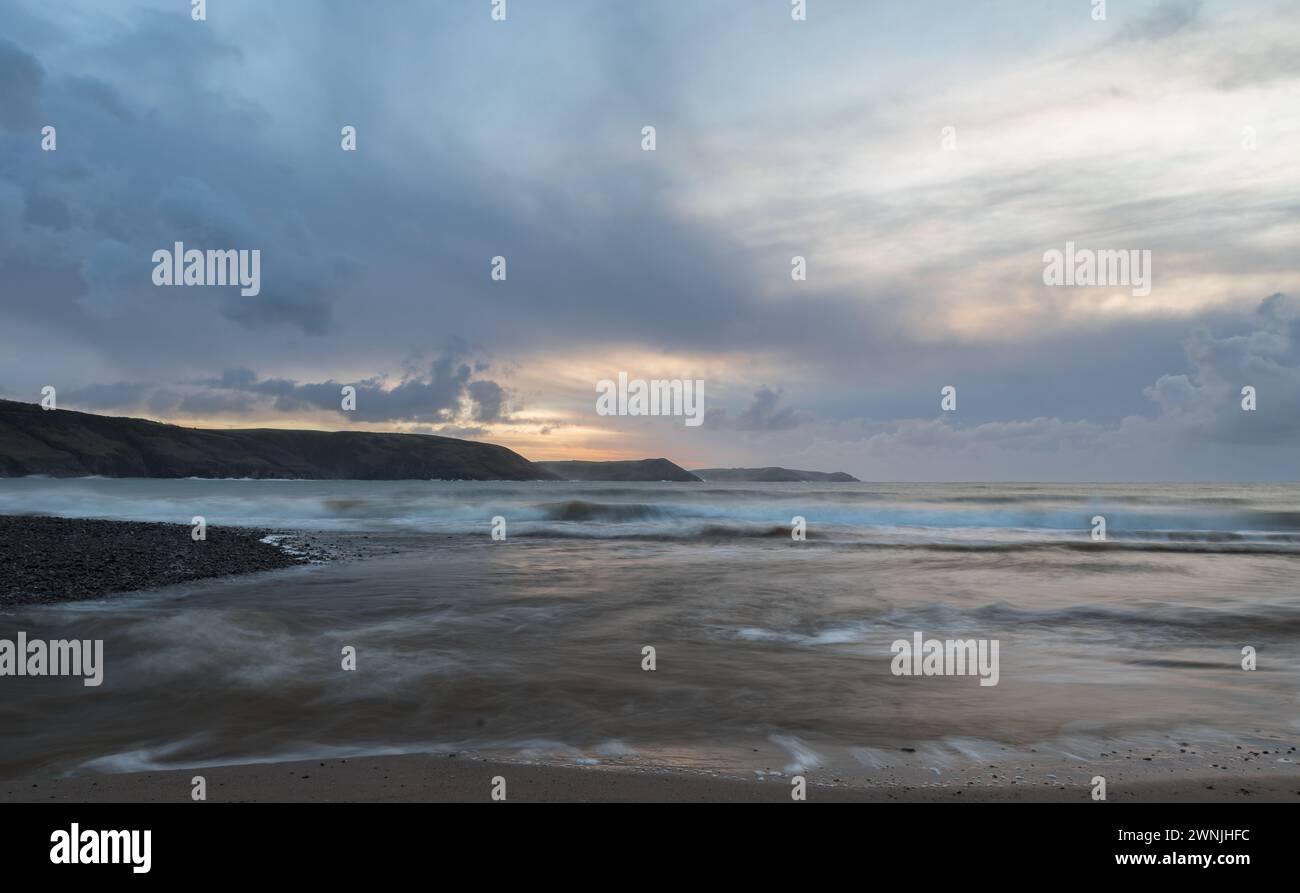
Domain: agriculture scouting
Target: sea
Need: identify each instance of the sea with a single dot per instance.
(678, 626)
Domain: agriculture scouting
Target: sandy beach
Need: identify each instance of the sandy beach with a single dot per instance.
(444, 778)
(356, 679)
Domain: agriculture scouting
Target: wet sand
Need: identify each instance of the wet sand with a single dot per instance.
(462, 778)
(525, 657)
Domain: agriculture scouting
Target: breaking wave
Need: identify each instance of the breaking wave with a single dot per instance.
(980, 517)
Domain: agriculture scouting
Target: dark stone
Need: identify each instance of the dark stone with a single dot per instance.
(46, 560)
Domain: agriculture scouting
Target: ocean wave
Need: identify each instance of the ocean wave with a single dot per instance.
(959, 517)
(618, 512)
(1157, 622)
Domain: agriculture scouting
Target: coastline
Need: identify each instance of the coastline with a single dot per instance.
(464, 778)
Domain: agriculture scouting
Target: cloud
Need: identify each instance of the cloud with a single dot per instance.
(138, 168)
(273, 307)
(1199, 429)
(21, 76)
(764, 413)
(107, 396)
(48, 211)
(443, 389)
(940, 436)
(1165, 20)
(488, 398)
(924, 264)
(208, 404)
(1206, 402)
(101, 94)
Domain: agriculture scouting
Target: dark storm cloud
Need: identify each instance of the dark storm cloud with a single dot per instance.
(765, 412)
(444, 389)
(439, 390)
(107, 396)
(138, 169)
(21, 76)
(594, 255)
(312, 316)
(101, 94)
(488, 398)
(48, 211)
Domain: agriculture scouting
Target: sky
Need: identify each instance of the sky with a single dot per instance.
(921, 157)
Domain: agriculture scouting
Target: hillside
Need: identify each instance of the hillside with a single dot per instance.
(629, 470)
(62, 443)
